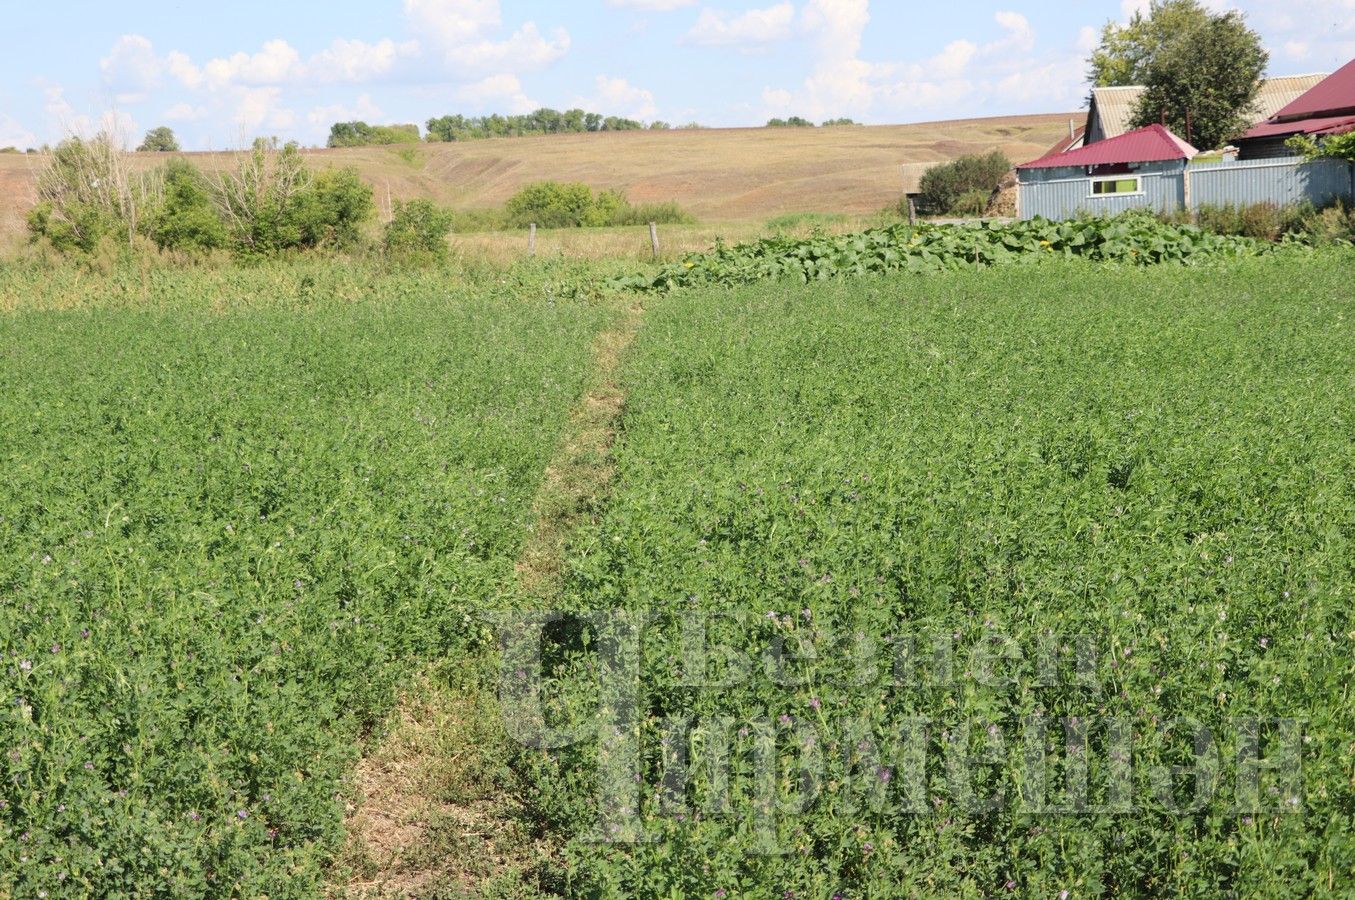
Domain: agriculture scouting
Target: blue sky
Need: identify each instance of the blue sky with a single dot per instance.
(222, 73)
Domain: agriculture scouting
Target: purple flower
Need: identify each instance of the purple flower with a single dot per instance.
(242, 814)
(56, 648)
(785, 719)
(84, 633)
(815, 703)
(89, 766)
(1010, 885)
(721, 893)
(868, 847)
(885, 775)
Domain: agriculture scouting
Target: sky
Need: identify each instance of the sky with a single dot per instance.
(220, 74)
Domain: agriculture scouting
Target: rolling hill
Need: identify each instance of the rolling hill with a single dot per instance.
(719, 175)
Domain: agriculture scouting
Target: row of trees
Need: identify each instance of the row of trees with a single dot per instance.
(801, 122)
(543, 121)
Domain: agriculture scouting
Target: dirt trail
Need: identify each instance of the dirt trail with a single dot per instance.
(431, 815)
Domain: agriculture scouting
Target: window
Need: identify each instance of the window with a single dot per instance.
(1110, 187)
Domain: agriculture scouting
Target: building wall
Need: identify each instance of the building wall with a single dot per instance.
(1065, 193)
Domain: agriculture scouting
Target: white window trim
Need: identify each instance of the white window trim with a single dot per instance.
(1091, 191)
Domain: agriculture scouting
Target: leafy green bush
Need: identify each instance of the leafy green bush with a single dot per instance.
(552, 204)
(186, 218)
(792, 122)
(271, 202)
(418, 229)
(942, 186)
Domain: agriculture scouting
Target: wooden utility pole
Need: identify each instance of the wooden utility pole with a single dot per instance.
(912, 212)
(654, 238)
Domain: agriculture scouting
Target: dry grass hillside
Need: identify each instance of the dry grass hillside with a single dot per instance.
(719, 175)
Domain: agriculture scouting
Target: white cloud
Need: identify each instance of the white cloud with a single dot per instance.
(503, 92)
(276, 63)
(619, 97)
(186, 112)
(13, 134)
(131, 67)
(526, 49)
(261, 108)
(363, 110)
(1009, 67)
(651, 5)
(358, 61)
(756, 26)
(67, 120)
(453, 22)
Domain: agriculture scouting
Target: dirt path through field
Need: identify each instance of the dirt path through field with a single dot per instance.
(433, 814)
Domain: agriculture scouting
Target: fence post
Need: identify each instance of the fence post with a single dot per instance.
(912, 213)
(654, 238)
(531, 240)
(1186, 191)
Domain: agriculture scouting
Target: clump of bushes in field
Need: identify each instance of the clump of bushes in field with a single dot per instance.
(1133, 239)
(360, 134)
(953, 188)
(269, 202)
(418, 230)
(553, 204)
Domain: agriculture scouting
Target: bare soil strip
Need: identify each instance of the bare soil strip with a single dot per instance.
(432, 813)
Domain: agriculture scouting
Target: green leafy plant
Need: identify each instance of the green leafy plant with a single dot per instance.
(418, 229)
(186, 218)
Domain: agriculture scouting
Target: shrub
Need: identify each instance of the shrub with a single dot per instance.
(186, 218)
(972, 203)
(551, 204)
(792, 122)
(271, 202)
(418, 228)
(88, 193)
(360, 134)
(331, 211)
(943, 186)
(1263, 221)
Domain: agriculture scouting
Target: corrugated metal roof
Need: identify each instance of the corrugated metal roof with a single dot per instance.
(1333, 96)
(1322, 125)
(1115, 106)
(1152, 144)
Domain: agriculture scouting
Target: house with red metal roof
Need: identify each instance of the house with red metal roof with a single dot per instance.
(1327, 109)
(1143, 169)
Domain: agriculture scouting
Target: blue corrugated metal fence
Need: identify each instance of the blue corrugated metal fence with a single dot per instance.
(1066, 193)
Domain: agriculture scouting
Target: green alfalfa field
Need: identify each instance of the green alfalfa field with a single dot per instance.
(244, 510)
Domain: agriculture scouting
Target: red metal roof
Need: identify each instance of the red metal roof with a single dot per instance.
(1152, 144)
(1327, 125)
(1334, 95)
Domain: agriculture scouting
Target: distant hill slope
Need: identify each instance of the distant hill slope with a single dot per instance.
(719, 175)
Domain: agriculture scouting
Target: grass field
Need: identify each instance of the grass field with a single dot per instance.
(227, 533)
(818, 475)
(946, 574)
(721, 176)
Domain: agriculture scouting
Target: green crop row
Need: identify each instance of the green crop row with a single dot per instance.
(236, 508)
(1132, 239)
(1122, 498)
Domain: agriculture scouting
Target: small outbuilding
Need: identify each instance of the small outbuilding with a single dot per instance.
(1142, 169)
